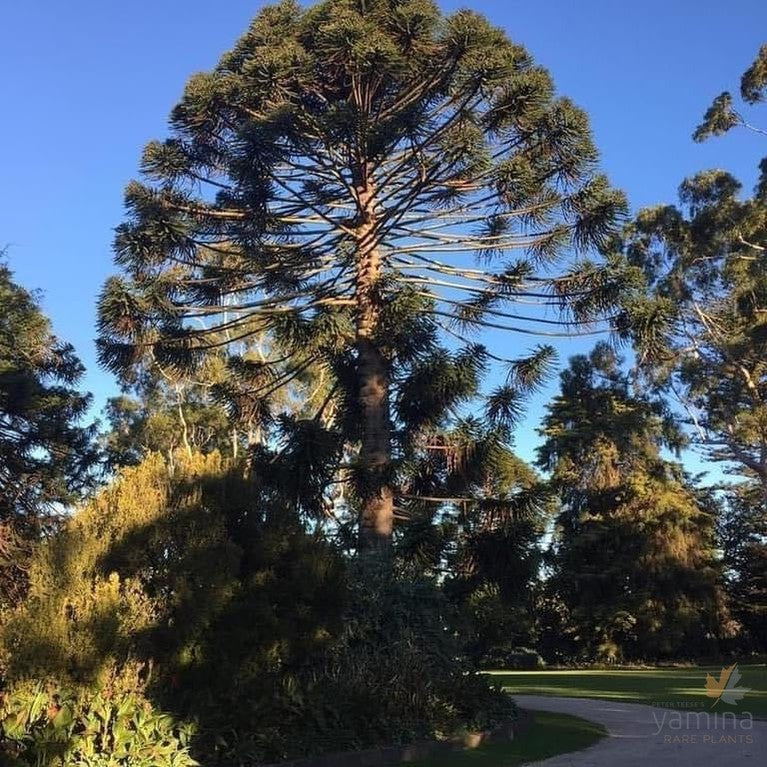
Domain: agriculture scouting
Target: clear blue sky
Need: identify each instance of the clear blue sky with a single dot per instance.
(85, 83)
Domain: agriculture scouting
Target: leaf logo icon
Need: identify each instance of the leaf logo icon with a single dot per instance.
(726, 687)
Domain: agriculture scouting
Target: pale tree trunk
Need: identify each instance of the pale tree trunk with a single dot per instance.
(184, 426)
(377, 512)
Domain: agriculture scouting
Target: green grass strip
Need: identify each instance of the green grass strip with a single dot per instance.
(549, 735)
(661, 686)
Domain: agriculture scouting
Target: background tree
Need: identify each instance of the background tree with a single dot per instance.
(163, 421)
(164, 409)
(475, 515)
(328, 183)
(743, 534)
(495, 559)
(633, 554)
(701, 330)
(722, 116)
(46, 454)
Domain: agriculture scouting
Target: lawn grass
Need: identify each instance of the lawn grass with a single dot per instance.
(549, 735)
(659, 686)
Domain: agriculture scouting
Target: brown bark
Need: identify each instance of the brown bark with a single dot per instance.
(377, 512)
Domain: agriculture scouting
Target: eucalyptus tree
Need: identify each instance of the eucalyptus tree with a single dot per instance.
(723, 115)
(701, 327)
(167, 410)
(359, 179)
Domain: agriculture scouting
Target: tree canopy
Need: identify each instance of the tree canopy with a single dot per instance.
(633, 552)
(329, 182)
(701, 324)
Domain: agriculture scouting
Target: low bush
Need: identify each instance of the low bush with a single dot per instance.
(396, 674)
(43, 724)
(524, 659)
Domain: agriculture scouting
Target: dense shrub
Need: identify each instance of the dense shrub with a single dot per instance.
(525, 659)
(174, 589)
(493, 627)
(199, 601)
(395, 673)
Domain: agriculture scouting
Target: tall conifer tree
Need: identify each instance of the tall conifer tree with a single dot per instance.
(329, 183)
(634, 557)
(46, 452)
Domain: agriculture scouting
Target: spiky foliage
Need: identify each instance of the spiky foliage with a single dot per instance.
(46, 454)
(471, 515)
(330, 182)
(633, 555)
(701, 327)
(494, 556)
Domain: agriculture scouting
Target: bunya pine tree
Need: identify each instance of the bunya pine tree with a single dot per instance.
(359, 179)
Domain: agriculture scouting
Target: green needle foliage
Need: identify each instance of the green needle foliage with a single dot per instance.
(352, 179)
(46, 454)
(633, 556)
(473, 516)
(743, 535)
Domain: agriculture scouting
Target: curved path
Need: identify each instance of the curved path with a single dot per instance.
(660, 737)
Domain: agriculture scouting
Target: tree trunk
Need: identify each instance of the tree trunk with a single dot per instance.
(184, 426)
(377, 512)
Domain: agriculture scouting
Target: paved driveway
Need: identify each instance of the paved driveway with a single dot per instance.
(642, 736)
